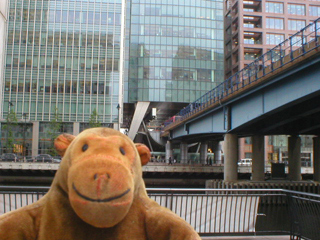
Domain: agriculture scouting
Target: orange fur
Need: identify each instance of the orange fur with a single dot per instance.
(97, 193)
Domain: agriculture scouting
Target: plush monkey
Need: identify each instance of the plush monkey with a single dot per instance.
(97, 193)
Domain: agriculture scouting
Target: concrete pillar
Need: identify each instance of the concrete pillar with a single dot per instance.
(183, 152)
(230, 157)
(35, 138)
(316, 159)
(139, 113)
(76, 128)
(216, 149)
(258, 158)
(203, 152)
(294, 157)
(169, 152)
(116, 126)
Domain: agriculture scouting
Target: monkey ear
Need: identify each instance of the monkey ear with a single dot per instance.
(144, 152)
(62, 142)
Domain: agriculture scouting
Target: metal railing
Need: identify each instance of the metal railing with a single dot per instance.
(218, 211)
(284, 53)
(305, 214)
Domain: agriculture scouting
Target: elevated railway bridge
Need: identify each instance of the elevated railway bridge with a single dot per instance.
(277, 94)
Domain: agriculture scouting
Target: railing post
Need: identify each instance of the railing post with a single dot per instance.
(316, 30)
(302, 41)
(263, 66)
(281, 60)
(237, 80)
(256, 69)
(291, 52)
(242, 77)
(271, 57)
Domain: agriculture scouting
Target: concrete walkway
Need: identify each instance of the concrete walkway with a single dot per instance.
(282, 237)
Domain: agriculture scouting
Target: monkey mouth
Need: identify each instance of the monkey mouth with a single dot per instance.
(99, 200)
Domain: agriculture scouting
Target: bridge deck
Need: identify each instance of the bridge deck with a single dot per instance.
(250, 77)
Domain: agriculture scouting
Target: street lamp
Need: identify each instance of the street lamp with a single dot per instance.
(24, 135)
(118, 107)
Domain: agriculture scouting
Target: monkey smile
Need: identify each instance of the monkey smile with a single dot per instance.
(99, 200)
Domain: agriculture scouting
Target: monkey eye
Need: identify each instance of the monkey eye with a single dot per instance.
(123, 152)
(85, 147)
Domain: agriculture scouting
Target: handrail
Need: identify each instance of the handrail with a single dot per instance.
(277, 57)
(35, 188)
(248, 190)
(217, 211)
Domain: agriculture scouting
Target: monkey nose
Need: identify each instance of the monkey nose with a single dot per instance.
(101, 180)
(103, 176)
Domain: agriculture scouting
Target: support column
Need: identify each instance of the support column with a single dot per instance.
(258, 158)
(230, 157)
(294, 157)
(169, 152)
(203, 152)
(316, 159)
(139, 113)
(216, 148)
(183, 152)
(116, 126)
(76, 128)
(35, 138)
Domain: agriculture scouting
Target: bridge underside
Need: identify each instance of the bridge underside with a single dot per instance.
(297, 118)
(301, 117)
(192, 138)
(286, 104)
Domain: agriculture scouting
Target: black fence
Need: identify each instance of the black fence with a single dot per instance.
(219, 211)
(305, 214)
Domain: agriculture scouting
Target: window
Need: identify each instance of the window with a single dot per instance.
(248, 25)
(205, 75)
(275, 23)
(248, 10)
(314, 11)
(152, 30)
(296, 24)
(64, 16)
(274, 39)
(296, 9)
(274, 7)
(51, 16)
(248, 41)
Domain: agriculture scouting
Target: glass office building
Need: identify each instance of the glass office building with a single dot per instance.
(65, 55)
(66, 59)
(176, 50)
(63, 62)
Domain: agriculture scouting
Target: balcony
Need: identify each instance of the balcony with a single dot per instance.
(252, 21)
(252, 53)
(252, 38)
(252, 6)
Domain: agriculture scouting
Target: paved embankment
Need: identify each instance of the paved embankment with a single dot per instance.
(286, 237)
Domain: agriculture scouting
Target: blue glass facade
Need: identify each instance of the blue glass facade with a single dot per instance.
(62, 63)
(64, 59)
(63, 54)
(176, 50)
